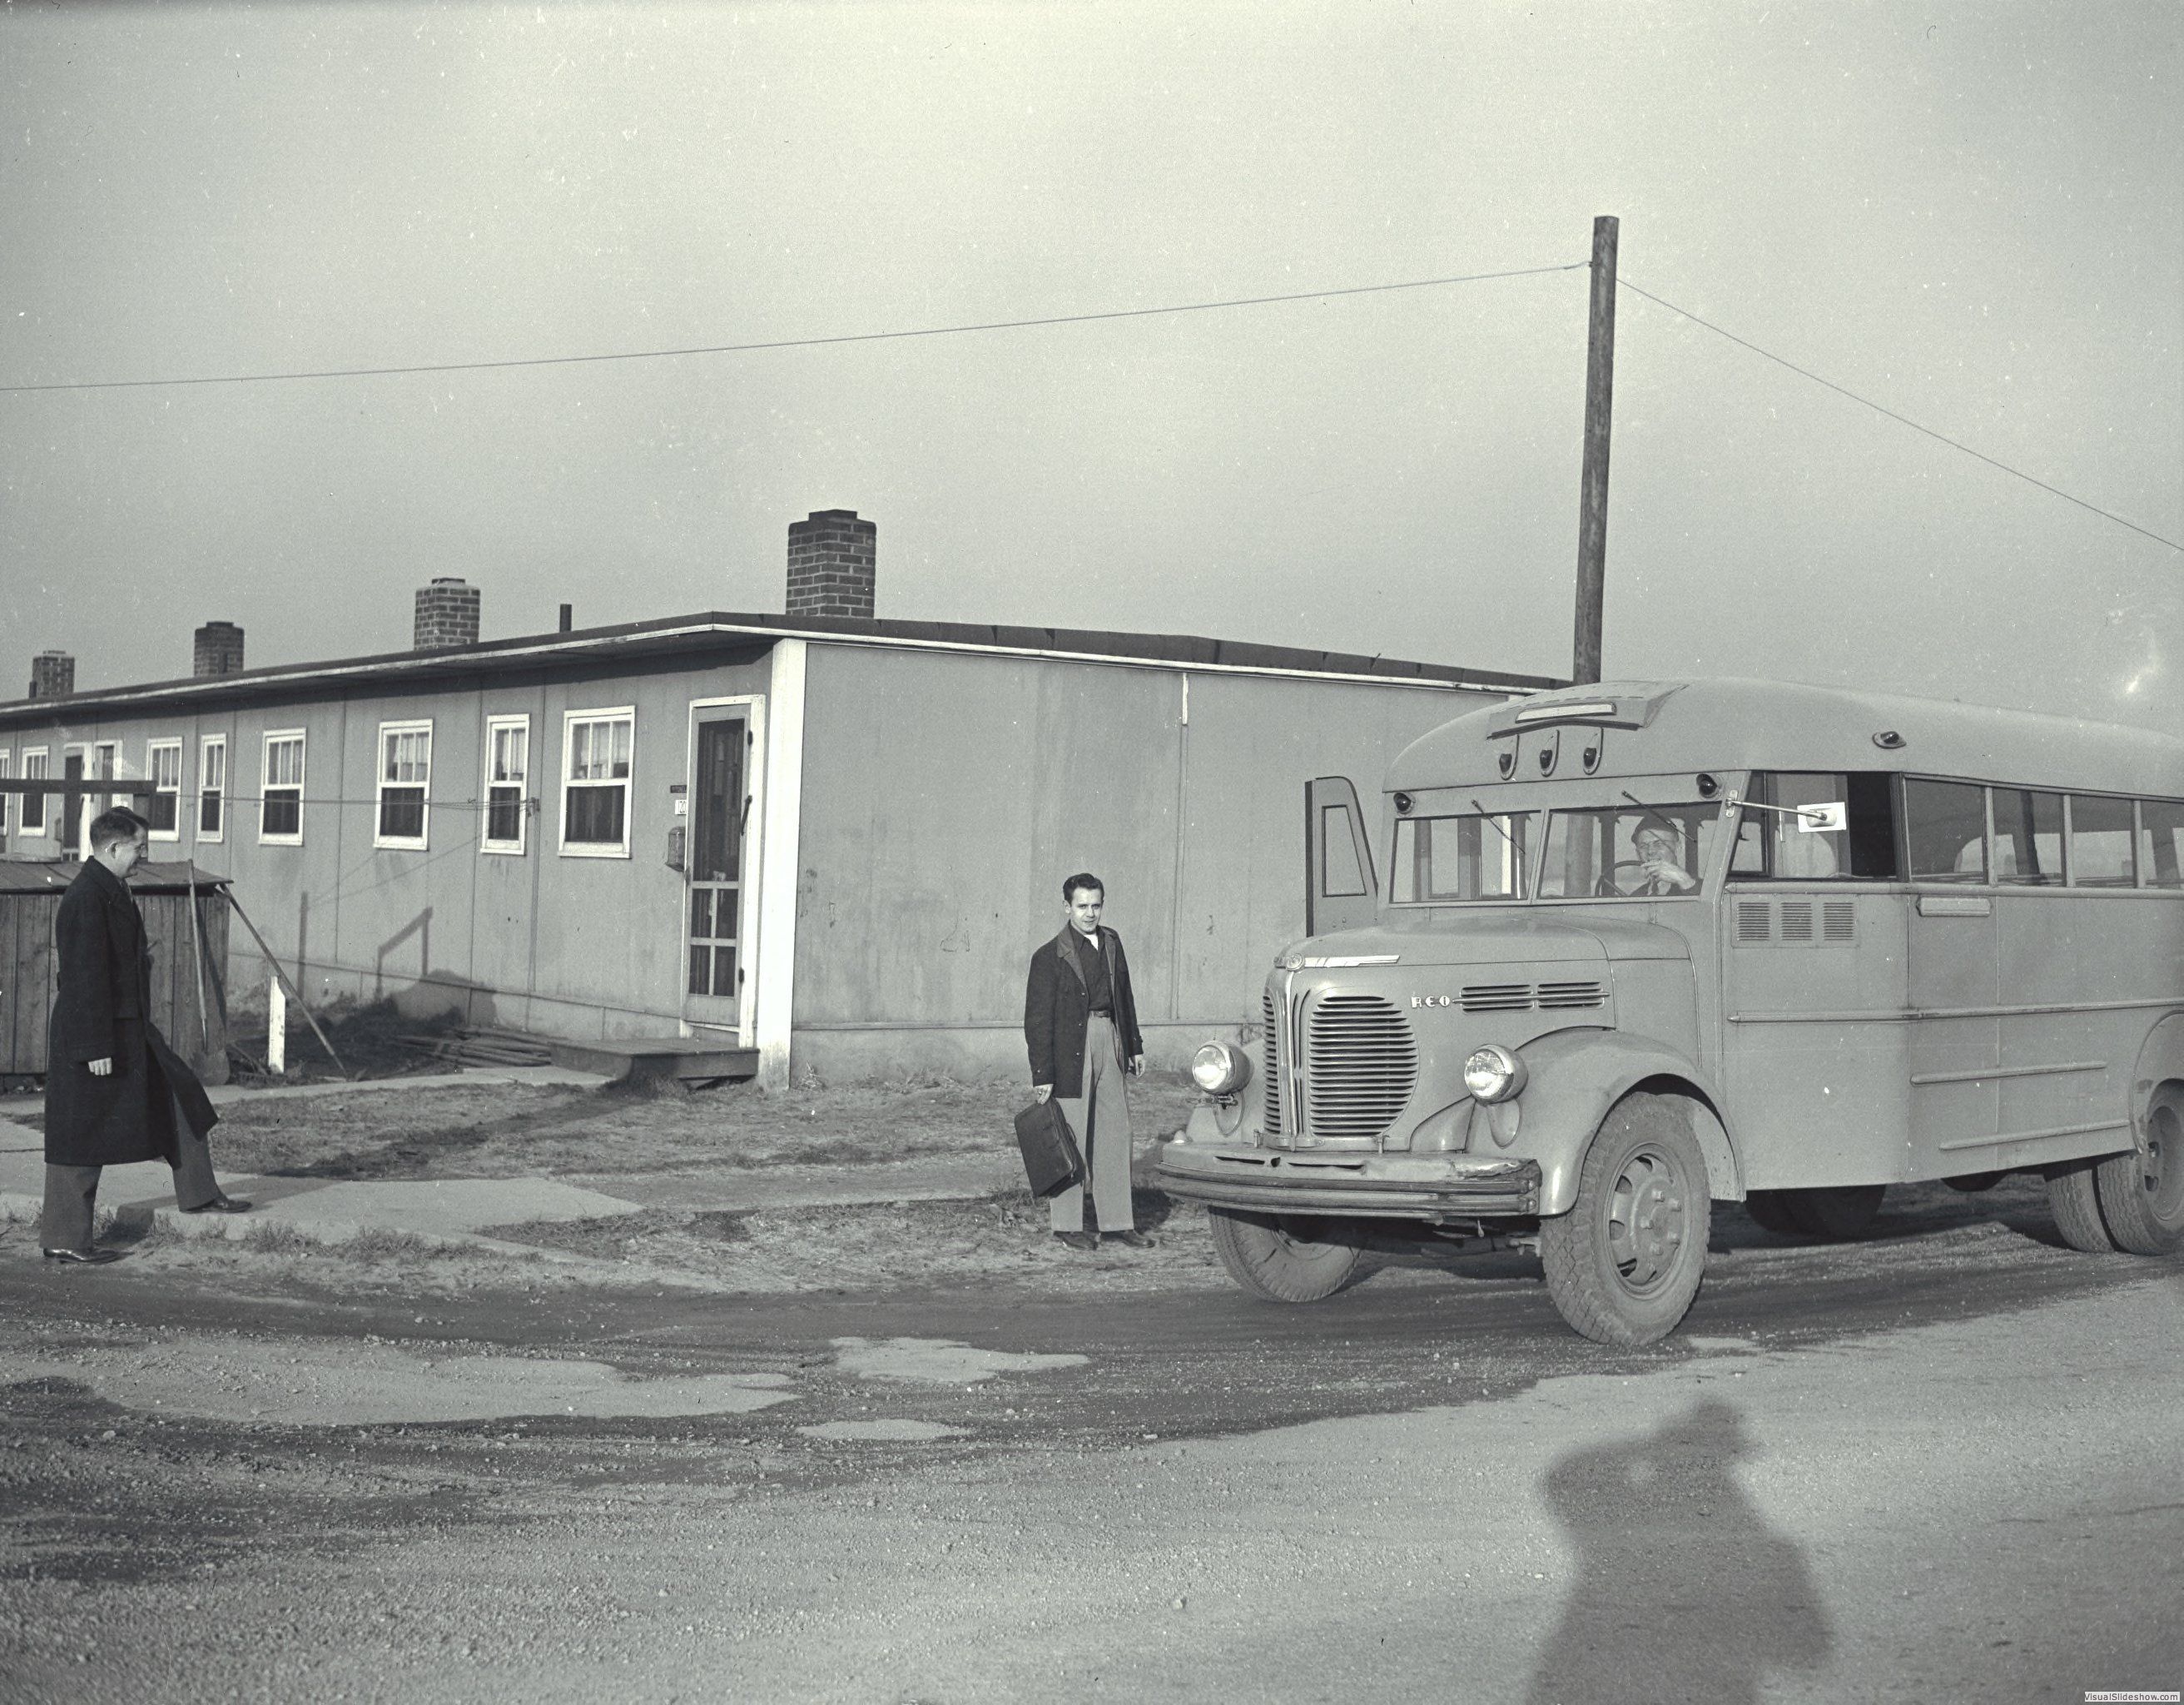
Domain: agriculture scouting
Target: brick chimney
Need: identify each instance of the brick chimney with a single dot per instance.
(53, 675)
(832, 564)
(217, 650)
(447, 614)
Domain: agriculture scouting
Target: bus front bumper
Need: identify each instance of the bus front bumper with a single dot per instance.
(1334, 1181)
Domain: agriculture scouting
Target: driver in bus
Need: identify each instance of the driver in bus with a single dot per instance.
(1659, 848)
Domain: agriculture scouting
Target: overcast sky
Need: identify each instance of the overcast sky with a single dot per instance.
(1971, 214)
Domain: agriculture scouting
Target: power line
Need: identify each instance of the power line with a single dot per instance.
(1902, 420)
(783, 342)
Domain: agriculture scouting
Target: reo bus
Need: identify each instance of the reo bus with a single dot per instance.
(1646, 946)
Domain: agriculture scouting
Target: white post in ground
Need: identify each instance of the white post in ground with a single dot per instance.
(276, 1026)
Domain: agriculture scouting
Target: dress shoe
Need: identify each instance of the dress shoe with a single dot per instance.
(1128, 1240)
(222, 1204)
(1077, 1239)
(84, 1257)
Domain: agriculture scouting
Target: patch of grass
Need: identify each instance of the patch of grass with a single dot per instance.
(274, 1237)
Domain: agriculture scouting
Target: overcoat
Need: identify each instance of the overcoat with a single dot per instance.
(102, 1011)
(1057, 1008)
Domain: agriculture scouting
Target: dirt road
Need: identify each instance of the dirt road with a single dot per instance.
(1946, 1464)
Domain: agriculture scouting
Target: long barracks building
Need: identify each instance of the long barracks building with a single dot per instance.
(830, 839)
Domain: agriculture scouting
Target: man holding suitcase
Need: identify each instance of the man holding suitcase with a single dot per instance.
(1081, 1027)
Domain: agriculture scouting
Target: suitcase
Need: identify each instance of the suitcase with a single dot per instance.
(1051, 1157)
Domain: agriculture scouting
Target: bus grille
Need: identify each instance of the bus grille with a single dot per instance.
(1271, 1076)
(1363, 1064)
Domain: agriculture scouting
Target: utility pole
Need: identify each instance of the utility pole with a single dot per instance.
(1592, 491)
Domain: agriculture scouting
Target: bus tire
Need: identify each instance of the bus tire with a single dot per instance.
(1838, 1212)
(2142, 1195)
(2076, 1208)
(1281, 1258)
(1767, 1211)
(1623, 1264)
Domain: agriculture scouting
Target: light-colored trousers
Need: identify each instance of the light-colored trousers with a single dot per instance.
(1101, 1117)
(72, 1192)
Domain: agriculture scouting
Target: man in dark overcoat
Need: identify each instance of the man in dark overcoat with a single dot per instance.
(115, 1092)
(1081, 1027)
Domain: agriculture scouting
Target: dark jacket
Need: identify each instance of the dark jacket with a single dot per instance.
(1055, 1011)
(102, 1011)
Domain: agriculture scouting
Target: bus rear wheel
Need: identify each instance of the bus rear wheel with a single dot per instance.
(1282, 1258)
(2077, 1209)
(1769, 1212)
(1623, 1264)
(2142, 1194)
(1840, 1212)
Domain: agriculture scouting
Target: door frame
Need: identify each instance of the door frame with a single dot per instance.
(752, 707)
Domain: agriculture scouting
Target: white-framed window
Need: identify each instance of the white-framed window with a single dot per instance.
(406, 784)
(163, 769)
(38, 814)
(7, 773)
(212, 787)
(596, 747)
(281, 790)
(507, 783)
(105, 763)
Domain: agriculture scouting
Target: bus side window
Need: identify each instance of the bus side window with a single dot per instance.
(2160, 840)
(1779, 846)
(1946, 831)
(2028, 838)
(2101, 842)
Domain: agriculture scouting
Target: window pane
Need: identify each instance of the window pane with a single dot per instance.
(1947, 831)
(402, 813)
(166, 766)
(594, 817)
(1451, 858)
(209, 803)
(2101, 842)
(701, 913)
(504, 815)
(701, 976)
(2028, 838)
(510, 754)
(724, 971)
(34, 804)
(1658, 851)
(283, 812)
(2160, 842)
(163, 814)
(214, 765)
(1340, 873)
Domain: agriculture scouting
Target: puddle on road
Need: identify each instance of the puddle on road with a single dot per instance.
(362, 1384)
(889, 1431)
(940, 1360)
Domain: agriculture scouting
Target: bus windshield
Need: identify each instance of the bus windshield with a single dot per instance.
(1629, 851)
(1444, 860)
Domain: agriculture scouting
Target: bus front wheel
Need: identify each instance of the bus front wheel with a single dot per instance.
(1281, 1258)
(1623, 1264)
(2142, 1194)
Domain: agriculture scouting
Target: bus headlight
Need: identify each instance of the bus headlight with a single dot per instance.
(1219, 1069)
(1493, 1074)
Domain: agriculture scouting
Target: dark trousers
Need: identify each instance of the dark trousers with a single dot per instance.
(72, 1192)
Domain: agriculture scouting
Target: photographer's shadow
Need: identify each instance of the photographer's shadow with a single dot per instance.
(1683, 1592)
